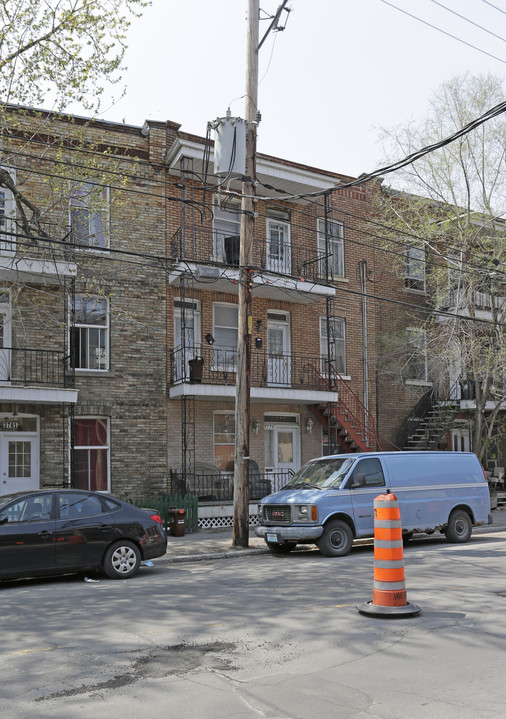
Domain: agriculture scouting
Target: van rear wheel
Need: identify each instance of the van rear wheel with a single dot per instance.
(336, 540)
(459, 527)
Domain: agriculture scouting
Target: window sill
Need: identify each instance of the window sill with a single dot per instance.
(413, 291)
(93, 373)
(418, 383)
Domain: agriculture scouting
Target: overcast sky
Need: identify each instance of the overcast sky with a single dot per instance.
(340, 69)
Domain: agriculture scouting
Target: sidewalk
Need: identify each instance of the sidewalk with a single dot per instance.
(217, 543)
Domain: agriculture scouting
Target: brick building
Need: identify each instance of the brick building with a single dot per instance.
(119, 304)
(82, 393)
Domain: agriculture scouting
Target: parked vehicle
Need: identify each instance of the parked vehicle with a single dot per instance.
(330, 501)
(64, 530)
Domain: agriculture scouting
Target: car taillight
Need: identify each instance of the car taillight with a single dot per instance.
(156, 518)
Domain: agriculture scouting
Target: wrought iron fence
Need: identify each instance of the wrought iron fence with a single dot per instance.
(219, 486)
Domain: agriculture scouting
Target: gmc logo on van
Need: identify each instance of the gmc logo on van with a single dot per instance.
(277, 514)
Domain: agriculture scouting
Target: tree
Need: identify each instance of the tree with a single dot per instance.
(449, 218)
(56, 54)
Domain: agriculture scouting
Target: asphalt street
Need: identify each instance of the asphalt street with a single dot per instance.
(262, 636)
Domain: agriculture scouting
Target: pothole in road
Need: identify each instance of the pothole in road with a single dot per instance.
(159, 663)
(184, 658)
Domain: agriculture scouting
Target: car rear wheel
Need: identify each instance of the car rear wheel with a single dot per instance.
(122, 560)
(336, 540)
(459, 527)
(285, 548)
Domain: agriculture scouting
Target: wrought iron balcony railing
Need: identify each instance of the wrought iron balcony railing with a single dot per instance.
(285, 258)
(34, 368)
(217, 365)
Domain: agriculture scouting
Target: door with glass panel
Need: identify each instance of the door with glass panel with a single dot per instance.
(19, 463)
(186, 336)
(278, 350)
(278, 247)
(282, 453)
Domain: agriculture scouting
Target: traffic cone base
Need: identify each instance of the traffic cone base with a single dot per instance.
(407, 610)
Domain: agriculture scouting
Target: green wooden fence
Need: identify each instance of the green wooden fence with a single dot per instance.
(163, 502)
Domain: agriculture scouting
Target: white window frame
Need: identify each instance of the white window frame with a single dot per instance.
(337, 342)
(8, 207)
(79, 201)
(107, 447)
(104, 359)
(414, 268)
(225, 356)
(335, 260)
(417, 342)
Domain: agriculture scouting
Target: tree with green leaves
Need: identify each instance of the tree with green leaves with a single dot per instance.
(447, 215)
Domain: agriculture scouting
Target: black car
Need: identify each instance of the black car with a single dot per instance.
(55, 531)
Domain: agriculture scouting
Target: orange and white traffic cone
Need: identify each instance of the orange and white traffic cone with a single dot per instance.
(389, 590)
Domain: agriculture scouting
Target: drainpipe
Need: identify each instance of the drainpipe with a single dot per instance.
(363, 279)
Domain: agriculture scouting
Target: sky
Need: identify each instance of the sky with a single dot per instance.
(339, 71)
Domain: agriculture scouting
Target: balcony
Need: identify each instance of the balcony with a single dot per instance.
(35, 375)
(37, 263)
(459, 301)
(279, 268)
(209, 373)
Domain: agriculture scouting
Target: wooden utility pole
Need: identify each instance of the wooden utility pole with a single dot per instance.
(240, 528)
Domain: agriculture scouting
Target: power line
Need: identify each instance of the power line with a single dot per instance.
(494, 6)
(448, 34)
(468, 20)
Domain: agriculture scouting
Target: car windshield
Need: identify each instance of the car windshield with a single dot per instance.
(321, 473)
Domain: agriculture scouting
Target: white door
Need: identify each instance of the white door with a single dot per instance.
(19, 463)
(282, 453)
(278, 353)
(278, 247)
(5, 339)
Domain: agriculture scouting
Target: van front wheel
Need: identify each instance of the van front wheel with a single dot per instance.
(459, 527)
(336, 540)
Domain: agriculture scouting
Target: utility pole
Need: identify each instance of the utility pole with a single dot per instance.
(240, 527)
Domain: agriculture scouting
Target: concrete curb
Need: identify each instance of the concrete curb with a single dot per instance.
(254, 551)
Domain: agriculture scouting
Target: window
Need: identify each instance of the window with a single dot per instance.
(224, 440)
(226, 230)
(330, 248)
(225, 336)
(416, 362)
(91, 454)
(31, 509)
(90, 334)
(89, 215)
(336, 345)
(371, 470)
(414, 268)
(78, 506)
(7, 213)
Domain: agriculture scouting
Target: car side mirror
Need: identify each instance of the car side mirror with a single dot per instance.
(358, 481)
(4, 519)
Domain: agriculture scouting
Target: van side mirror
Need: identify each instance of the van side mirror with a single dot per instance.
(358, 481)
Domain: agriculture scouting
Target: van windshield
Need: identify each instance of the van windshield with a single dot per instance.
(321, 474)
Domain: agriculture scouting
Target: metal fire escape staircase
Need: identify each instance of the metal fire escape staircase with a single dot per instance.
(350, 425)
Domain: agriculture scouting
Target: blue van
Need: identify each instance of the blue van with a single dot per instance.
(330, 501)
